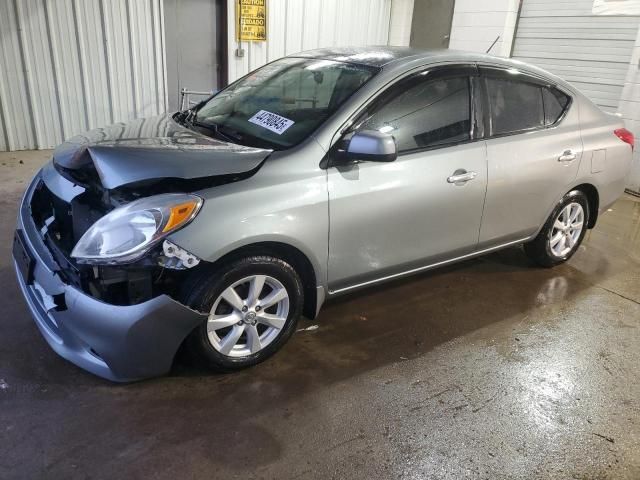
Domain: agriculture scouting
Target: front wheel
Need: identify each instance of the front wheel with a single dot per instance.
(253, 304)
(563, 231)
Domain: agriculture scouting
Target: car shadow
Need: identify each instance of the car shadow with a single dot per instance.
(406, 318)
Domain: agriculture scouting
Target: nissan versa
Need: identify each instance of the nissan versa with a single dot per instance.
(315, 175)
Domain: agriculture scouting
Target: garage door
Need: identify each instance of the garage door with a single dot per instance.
(590, 51)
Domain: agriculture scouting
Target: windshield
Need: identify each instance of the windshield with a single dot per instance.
(282, 103)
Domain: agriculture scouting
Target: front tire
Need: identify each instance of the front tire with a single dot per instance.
(562, 233)
(254, 305)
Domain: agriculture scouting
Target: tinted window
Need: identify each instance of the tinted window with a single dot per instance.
(555, 103)
(514, 105)
(422, 113)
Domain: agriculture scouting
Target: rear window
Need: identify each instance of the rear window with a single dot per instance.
(514, 105)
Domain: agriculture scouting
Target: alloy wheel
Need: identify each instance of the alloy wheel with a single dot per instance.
(248, 315)
(566, 230)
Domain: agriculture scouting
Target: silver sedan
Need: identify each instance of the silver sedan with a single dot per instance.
(317, 174)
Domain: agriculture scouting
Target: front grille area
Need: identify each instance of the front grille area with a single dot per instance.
(53, 219)
(70, 219)
(61, 224)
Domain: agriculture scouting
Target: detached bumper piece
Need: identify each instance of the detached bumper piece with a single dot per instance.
(116, 342)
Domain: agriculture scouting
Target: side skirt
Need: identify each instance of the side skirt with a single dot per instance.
(426, 267)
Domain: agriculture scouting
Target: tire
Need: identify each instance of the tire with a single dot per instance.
(542, 250)
(209, 342)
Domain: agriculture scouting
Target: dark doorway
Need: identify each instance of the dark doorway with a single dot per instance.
(431, 24)
(195, 45)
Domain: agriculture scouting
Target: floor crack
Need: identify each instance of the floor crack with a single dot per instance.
(605, 437)
(618, 294)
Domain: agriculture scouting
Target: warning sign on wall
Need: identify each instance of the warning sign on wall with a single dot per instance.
(251, 20)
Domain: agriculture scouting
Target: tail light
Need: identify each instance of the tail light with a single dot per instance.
(626, 136)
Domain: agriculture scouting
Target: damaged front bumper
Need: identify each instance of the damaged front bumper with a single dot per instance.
(119, 343)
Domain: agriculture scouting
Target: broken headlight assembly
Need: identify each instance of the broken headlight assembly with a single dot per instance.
(126, 233)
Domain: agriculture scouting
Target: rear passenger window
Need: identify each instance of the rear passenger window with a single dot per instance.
(514, 105)
(555, 104)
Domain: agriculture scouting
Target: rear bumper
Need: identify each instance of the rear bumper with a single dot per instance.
(119, 343)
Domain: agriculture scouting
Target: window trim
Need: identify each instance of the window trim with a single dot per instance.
(468, 70)
(565, 110)
(499, 72)
(380, 100)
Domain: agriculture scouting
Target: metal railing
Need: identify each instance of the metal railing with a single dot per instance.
(185, 100)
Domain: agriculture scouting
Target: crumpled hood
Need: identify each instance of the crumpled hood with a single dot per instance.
(154, 148)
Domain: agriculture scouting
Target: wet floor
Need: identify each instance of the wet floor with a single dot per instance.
(488, 369)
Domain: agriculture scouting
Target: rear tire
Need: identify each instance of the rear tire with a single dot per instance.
(562, 233)
(254, 305)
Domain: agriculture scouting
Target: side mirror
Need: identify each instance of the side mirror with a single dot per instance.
(371, 146)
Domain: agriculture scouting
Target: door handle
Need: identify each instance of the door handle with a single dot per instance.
(567, 156)
(461, 176)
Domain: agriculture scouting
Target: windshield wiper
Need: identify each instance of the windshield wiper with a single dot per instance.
(190, 118)
(212, 127)
(184, 116)
(191, 115)
(229, 133)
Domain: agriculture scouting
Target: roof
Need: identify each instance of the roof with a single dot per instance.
(381, 55)
(375, 56)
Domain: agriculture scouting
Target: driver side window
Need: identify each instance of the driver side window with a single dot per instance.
(422, 113)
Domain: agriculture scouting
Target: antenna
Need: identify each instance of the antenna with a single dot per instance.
(494, 42)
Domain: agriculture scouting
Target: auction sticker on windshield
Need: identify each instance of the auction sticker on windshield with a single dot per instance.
(271, 121)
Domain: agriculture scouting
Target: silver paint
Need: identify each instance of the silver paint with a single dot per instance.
(365, 222)
(373, 221)
(122, 155)
(372, 142)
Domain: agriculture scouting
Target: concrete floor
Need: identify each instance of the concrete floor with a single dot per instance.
(488, 369)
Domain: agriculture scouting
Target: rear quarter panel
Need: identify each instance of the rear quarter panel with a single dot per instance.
(606, 159)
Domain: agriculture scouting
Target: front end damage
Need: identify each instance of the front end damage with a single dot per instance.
(94, 173)
(62, 211)
(121, 321)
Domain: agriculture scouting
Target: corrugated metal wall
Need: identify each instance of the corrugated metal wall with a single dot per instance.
(592, 52)
(297, 25)
(70, 65)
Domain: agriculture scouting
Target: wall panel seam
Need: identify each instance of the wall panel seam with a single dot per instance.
(27, 81)
(54, 71)
(107, 61)
(132, 60)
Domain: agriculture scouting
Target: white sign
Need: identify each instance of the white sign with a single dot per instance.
(616, 7)
(271, 121)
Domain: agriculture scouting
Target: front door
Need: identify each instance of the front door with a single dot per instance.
(388, 218)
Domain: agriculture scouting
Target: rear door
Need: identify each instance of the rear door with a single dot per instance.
(388, 218)
(534, 150)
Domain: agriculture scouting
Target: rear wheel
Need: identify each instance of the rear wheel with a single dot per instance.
(563, 231)
(253, 305)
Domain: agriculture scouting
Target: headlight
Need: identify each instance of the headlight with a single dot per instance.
(127, 233)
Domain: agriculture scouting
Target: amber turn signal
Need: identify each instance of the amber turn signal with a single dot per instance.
(179, 214)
